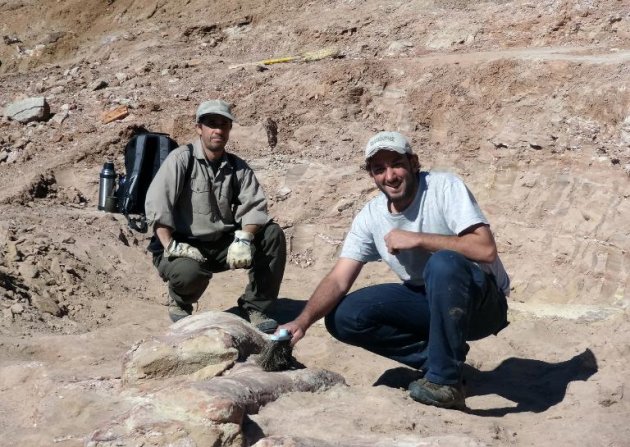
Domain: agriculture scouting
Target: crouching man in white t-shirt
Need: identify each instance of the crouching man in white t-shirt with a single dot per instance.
(430, 230)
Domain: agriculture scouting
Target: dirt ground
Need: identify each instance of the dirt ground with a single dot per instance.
(529, 102)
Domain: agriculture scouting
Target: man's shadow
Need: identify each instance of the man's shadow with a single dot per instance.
(533, 385)
(286, 309)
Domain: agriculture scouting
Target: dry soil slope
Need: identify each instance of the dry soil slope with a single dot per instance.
(528, 102)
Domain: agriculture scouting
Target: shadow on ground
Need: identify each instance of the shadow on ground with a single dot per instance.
(286, 309)
(533, 385)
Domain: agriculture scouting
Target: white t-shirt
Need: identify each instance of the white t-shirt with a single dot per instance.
(443, 205)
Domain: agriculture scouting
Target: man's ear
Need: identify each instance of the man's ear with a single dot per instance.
(198, 128)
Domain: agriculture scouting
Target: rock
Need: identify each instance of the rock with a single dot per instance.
(398, 47)
(17, 309)
(57, 89)
(200, 408)
(53, 37)
(10, 40)
(194, 343)
(450, 34)
(122, 77)
(12, 157)
(60, 116)
(210, 412)
(13, 254)
(271, 127)
(98, 85)
(27, 110)
(46, 304)
(343, 205)
(28, 271)
(117, 114)
(246, 388)
(283, 193)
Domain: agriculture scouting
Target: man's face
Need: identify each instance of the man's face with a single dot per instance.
(214, 131)
(395, 175)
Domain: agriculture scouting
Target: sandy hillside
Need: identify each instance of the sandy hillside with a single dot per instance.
(528, 101)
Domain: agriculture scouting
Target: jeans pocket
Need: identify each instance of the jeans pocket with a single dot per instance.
(490, 312)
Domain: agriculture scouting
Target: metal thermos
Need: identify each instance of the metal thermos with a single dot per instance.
(106, 186)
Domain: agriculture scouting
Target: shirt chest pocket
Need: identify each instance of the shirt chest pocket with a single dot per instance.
(201, 196)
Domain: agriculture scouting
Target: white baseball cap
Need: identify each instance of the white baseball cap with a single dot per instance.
(390, 141)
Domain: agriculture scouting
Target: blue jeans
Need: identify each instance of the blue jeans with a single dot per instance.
(424, 327)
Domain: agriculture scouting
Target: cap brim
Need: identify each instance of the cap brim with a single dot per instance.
(224, 114)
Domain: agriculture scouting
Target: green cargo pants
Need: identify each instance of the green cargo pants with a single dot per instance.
(188, 279)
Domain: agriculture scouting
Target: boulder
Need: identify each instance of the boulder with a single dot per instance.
(205, 344)
(27, 110)
(208, 384)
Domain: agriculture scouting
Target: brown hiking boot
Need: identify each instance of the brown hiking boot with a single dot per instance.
(443, 396)
(261, 320)
(178, 311)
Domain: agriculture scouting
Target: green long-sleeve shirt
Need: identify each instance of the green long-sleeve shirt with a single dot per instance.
(202, 207)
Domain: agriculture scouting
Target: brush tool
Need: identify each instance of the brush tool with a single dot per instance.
(277, 355)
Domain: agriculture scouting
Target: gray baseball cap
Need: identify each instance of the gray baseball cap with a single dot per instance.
(390, 141)
(215, 107)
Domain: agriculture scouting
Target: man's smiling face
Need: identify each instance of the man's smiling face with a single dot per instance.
(395, 175)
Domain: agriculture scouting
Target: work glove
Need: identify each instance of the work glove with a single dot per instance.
(183, 250)
(240, 251)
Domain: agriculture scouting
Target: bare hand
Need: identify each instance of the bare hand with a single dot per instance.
(296, 330)
(397, 240)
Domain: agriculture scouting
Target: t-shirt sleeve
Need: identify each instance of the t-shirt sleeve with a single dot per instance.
(359, 243)
(461, 210)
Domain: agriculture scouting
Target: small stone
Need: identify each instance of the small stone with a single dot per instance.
(283, 193)
(117, 114)
(17, 309)
(28, 271)
(98, 85)
(46, 304)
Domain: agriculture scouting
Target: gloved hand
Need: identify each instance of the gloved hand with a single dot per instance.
(240, 251)
(183, 250)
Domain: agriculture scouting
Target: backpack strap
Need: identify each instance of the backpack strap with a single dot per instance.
(191, 162)
(236, 187)
(165, 149)
(140, 223)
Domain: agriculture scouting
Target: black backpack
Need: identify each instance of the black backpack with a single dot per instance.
(144, 154)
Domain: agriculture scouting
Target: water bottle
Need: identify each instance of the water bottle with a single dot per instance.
(106, 186)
